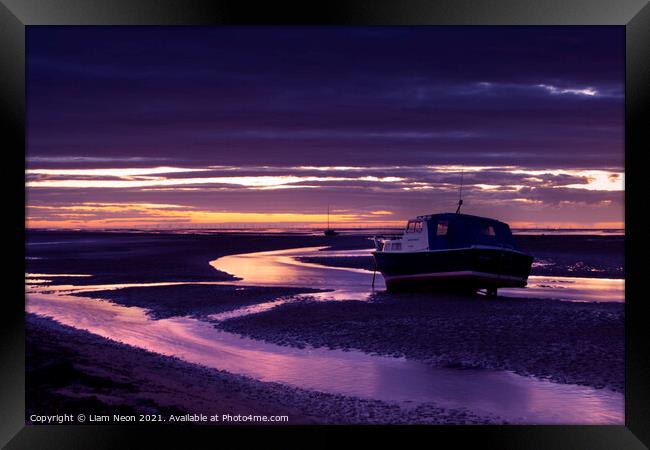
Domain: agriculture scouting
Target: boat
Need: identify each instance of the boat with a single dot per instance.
(452, 251)
(329, 231)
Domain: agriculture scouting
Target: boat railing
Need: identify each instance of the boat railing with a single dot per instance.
(379, 240)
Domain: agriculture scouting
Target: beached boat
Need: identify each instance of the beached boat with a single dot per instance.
(457, 251)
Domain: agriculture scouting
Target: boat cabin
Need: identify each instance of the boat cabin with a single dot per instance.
(449, 231)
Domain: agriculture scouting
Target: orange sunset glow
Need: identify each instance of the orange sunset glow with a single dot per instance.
(237, 139)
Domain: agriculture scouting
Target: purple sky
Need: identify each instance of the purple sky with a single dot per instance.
(255, 125)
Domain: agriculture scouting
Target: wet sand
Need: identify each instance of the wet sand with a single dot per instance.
(72, 371)
(578, 343)
(515, 398)
(194, 300)
(146, 257)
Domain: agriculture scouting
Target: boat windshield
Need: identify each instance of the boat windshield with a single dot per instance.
(414, 226)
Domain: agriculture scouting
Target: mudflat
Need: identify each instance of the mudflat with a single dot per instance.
(69, 369)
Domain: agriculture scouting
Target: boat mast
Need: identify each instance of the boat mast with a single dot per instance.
(460, 193)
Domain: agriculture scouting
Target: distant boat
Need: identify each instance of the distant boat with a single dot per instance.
(329, 231)
(452, 250)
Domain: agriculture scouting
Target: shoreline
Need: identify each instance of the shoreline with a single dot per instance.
(193, 300)
(74, 371)
(565, 342)
(114, 258)
(569, 343)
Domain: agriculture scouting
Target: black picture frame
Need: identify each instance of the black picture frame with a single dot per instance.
(16, 15)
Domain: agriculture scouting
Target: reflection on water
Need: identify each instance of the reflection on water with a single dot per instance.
(280, 268)
(54, 275)
(248, 310)
(75, 289)
(571, 288)
(44, 278)
(512, 397)
(37, 281)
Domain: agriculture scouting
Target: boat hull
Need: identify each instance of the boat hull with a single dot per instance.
(458, 269)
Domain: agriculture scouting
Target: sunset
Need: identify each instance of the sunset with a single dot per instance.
(234, 127)
(325, 225)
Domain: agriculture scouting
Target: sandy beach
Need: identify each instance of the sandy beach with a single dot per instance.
(577, 343)
(568, 343)
(72, 371)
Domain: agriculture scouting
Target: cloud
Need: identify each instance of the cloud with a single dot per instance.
(97, 215)
(425, 177)
(592, 180)
(132, 178)
(221, 120)
(125, 173)
(91, 159)
(338, 134)
(523, 90)
(587, 91)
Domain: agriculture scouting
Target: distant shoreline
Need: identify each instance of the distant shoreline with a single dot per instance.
(309, 231)
(185, 256)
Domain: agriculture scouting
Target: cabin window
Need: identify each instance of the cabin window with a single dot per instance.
(396, 246)
(441, 229)
(414, 226)
(488, 230)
